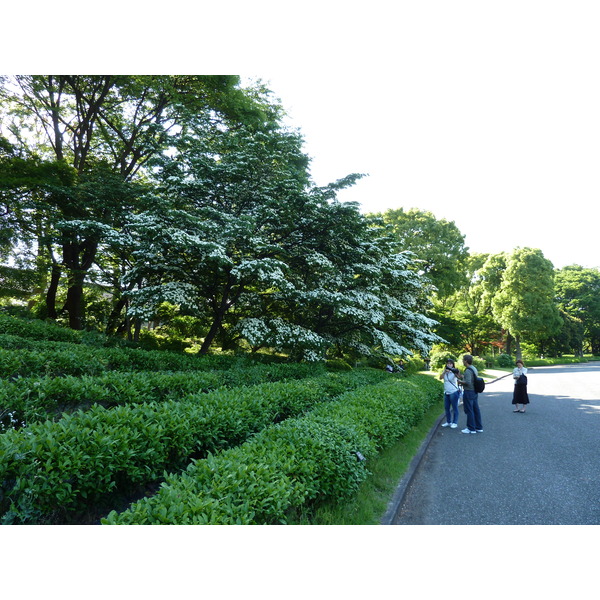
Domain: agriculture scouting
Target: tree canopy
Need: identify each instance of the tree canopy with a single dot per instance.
(187, 190)
(438, 245)
(524, 303)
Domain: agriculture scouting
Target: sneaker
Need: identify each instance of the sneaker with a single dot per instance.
(467, 430)
(454, 426)
(480, 431)
(445, 424)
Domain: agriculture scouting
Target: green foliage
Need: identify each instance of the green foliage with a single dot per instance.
(293, 466)
(34, 399)
(437, 244)
(38, 330)
(505, 361)
(78, 146)
(478, 363)
(439, 358)
(414, 364)
(241, 242)
(563, 360)
(525, 302)
(51, 471)
(529, 351)
(578, 298)
(337, 364)
(57, 359)
(465, 316)
(17, 283)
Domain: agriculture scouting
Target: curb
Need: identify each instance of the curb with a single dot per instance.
(397, 500)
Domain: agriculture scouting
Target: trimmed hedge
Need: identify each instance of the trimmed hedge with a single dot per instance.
(51, 471)
(292, 466)
(59, 360)
(39, 330)
(35, 399)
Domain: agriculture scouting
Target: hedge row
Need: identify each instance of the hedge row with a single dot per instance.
(78, 360)
(35, 399)
(293, 466)
(50, 471)
(40, 330)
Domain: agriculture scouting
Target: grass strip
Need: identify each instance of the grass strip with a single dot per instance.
(374, 494)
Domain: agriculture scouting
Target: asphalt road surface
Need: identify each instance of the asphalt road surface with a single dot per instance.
(541, 467)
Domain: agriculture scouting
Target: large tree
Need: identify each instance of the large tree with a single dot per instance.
(578, 295)
(466, 315)
(105, 128)
(524, 305)
(253, 250)
(438, 245)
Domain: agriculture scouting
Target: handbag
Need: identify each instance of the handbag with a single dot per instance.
(522, 380)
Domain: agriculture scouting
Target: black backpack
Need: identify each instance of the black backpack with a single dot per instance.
(478, 383)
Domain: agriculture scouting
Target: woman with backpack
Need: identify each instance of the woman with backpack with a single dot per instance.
(520, 395)
(470, 397)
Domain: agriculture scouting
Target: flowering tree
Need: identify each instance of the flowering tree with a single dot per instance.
(241, 240)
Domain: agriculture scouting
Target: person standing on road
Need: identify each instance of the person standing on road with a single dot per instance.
(471, 397)
(451, 394)
(520, 395)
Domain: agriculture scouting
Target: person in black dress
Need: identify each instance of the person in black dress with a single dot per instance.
(520, 393)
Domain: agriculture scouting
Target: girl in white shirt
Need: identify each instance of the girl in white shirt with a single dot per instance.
(451, 394)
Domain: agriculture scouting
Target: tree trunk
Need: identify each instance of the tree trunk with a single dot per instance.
(219, 313)
(519, 355)
(508, 346)
(78, 267)
(74, 303)
(137, 329)
(51, 292)
(113, 319)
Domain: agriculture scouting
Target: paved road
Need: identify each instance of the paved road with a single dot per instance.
(540, 467)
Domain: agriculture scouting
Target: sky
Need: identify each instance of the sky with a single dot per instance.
(483, 113)
(494, 125)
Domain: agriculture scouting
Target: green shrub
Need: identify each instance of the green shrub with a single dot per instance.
(505, 360)
(50, 471)
(488, 361)
(40, 330)
(292, 466)
(34, 399)
(414, 364)
(478, 363)
(155, 340)
(337, 364)
(439, 358)
(36, 358)
(529, 351)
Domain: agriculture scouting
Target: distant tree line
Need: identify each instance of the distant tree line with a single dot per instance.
(513, 302)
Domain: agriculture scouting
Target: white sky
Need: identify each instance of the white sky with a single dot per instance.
(491, 120)
(484, 113)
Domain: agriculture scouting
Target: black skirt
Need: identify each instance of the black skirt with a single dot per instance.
(520, 395)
